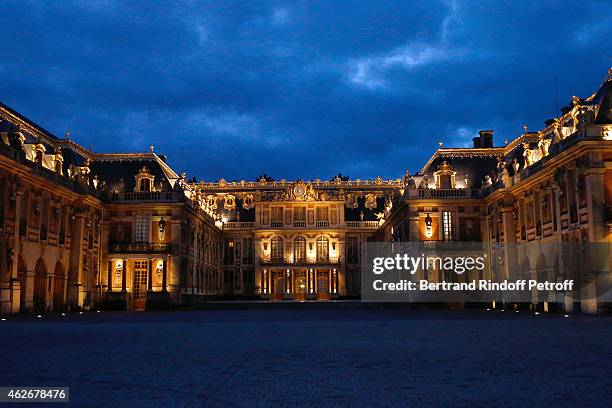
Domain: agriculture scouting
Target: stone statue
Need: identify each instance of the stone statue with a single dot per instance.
(487, 182)
(527, 155)
(543, 144)
(466, 180)
(121, 186)
(501, 169)
(516, 166)
(409, 182)
(557, 136)
(424, 184)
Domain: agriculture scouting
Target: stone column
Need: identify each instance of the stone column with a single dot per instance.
(598, 248)
(413, 230)
(11, 291)
(77, 292)
(109, 286)
(165, 274)
(124, 276)
(509, 228)
(150, 276)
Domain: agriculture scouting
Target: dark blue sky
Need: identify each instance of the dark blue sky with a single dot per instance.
(297, 89)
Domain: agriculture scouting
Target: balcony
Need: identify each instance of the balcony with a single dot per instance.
(362, 224)
(445, 193)
(299, 224)
(159, 196)
(302, 262)
(237, 225)
(322, 224)
(276, 224)
(140, 248)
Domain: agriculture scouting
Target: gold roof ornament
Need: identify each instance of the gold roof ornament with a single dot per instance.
(370, 201)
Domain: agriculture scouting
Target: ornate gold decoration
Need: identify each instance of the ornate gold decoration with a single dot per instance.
(370, 201)
(229, 202)
(211, 202)
(248, 202)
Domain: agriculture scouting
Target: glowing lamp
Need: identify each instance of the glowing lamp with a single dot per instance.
(428, 226)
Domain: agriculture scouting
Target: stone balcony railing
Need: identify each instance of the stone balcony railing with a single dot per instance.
(159, 196)
(235, 225)
(302, 262)
(445, 193)
(362, 224)
(140, 248)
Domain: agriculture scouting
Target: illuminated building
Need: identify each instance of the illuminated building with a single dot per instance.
(79, 229)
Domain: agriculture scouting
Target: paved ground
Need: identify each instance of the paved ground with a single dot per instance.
(345, 356)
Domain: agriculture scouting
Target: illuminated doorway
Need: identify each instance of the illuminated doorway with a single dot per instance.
(139, 290)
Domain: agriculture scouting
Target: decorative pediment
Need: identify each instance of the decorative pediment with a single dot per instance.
(144, 180)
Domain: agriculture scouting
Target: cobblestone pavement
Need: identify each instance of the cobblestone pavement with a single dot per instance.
(346, 356)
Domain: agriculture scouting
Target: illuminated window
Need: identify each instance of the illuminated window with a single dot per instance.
(299, 250)
(277, 214)
(142, 228)
(277, 249)
(447, 225)
(322, 249)
(299, 213)
(322, 214)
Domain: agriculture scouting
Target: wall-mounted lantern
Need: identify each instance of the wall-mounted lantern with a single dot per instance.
(428, 226)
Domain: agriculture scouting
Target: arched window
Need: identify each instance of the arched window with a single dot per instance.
(299, 250)
(322, 249)
(277, 249)
(145, 184)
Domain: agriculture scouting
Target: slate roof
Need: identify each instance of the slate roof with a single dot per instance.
(111, 168)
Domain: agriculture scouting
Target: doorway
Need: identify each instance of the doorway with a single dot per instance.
(139, 290)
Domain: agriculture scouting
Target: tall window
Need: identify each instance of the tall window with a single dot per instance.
(247, 250)
(322, 214)
(447, 225)
(145, 184)
(228, 251)
(299, 213)
(142, 228)
(276, 252)
(445, 181)
(277, 216)
(299, 250)
(352, 250)
(322, 249)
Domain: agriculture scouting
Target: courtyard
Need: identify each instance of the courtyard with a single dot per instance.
(313, 355)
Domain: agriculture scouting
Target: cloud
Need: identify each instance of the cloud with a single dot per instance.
(300, 89)
(369, 72)
(280, 16)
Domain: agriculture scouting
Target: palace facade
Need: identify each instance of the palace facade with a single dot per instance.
(80, 229)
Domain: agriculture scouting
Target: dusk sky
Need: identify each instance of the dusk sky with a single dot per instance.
(297, 89)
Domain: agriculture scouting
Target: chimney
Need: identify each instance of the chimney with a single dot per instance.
(486, 138)
(476, 142)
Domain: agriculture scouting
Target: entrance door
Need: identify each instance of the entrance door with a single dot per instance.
(299, 285)
(139, 292)
(278, 285)
(58, 293)
(322, 286)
